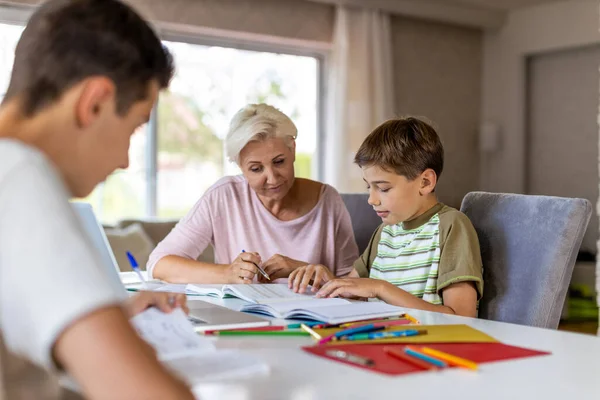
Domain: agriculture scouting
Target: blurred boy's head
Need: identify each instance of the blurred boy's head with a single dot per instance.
(401, 161)
(93, 68)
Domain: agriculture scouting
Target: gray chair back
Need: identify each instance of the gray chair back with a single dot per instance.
(364, 220)
(529, 245)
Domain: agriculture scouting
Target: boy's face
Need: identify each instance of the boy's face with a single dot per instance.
(102, 141)
(395, 198)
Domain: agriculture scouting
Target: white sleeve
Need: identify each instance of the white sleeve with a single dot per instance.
(49, 277)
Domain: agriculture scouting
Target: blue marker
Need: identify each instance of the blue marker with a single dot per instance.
(135, 268)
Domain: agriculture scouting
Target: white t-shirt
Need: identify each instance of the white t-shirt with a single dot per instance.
(49, 275)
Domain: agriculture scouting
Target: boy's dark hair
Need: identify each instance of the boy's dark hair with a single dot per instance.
(67, 41)
(407, 146)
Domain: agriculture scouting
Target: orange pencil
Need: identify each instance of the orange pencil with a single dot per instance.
(405, 357)
(450, 358)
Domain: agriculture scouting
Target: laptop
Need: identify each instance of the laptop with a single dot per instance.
(203, 315)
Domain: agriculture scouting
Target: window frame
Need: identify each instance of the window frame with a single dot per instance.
(198, 35)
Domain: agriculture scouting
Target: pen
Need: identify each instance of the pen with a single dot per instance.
(262, 271)
(351, 358)
(385, 335)
(135, 268)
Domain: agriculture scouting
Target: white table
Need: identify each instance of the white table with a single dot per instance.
(572, 371)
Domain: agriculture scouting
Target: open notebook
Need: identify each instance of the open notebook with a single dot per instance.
(193, 358)
(252, 293)
(331, 311)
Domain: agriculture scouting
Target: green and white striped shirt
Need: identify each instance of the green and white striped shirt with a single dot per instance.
(425, 255)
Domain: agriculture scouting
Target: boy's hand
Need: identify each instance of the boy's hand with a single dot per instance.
(316, 275)
(165, 302)
(279, 266)
(352, 287)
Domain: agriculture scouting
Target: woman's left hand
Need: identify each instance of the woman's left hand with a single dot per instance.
(165, 302)
(279, 266)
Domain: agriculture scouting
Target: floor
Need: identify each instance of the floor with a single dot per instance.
(586, 327)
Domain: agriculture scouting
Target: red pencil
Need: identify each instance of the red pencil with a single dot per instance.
(262, 328)
(405, 357)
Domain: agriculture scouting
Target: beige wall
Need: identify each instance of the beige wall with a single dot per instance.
(437, 71)
(552, 27)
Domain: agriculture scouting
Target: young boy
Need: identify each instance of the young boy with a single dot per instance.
(425, 255)
(86, 74)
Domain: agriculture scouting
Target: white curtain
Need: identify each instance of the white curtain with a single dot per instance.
(360, 91)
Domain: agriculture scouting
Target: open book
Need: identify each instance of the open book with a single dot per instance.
(193, 358)
(331, 311)
(252, 293)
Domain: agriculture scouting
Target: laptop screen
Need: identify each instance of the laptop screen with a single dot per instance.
(95, 232)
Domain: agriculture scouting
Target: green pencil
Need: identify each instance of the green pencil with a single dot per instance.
(261, 333)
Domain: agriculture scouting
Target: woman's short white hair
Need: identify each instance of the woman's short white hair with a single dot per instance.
(258, 122)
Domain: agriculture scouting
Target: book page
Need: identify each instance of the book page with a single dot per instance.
(205, 290)
(171, 335)
(267, 293)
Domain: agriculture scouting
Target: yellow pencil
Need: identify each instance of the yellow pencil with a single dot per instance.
(308, 329)
(411, 319)
(451, 359)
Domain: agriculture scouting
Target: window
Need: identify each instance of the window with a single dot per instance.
(177, 156)
(9, 36)
(210, 86)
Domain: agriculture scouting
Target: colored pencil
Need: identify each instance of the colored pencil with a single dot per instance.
(308, 329)
(450, 359)
(412, 360)
(411, 351)
(262, 333)
(271, 328)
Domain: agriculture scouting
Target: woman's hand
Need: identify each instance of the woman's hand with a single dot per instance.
(315, 275)
(165, 302)
(280, 266)
(242, 269)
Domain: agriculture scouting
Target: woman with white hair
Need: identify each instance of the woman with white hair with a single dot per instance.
(266, 216)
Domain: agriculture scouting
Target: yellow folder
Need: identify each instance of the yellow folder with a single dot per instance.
(435, 334)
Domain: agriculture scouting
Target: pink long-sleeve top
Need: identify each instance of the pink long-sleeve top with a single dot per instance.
(231, 218)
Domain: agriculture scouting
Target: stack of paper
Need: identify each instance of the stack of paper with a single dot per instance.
(194, 358)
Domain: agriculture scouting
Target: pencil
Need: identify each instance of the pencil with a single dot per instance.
(405, 357)
(262, 333)
(411, 351)
(451, 359)
(312, 333)
(412, 319)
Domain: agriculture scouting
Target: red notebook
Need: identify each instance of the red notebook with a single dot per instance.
(386, 364)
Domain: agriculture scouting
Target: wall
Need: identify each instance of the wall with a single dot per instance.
(562, 132)
(437, 74)
(286, 18)
(545, 28)
(437, 66)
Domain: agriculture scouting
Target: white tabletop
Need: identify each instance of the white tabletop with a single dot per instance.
(572, 371)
